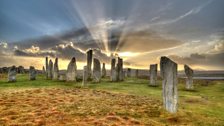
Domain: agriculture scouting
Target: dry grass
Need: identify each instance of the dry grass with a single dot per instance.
(81, 107)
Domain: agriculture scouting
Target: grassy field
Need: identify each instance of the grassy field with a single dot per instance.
(132, 102)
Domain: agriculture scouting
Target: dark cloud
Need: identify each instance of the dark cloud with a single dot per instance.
(201, 59)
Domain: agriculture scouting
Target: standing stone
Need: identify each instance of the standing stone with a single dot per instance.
(168, 70)
(120, 76)
(89, 63)
(104, 72)
(136, 73)
(32, 73)
(56, 70)
(43, 70)
(113, 76)
(12, 74)
(62, 77)
(50, 70)
(21, 70)
(96, 70)
(153, 75)
(189, 80)
(129, 72)
(85, 73)
(71, 70)
(46, 66)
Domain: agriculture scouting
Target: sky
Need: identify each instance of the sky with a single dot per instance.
(140, 31)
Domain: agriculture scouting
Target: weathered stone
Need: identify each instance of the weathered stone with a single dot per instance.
(129, 72)
(96, 70)
(20, 70)
(168, 70)
(71, 70)
(136, 73)
(12, 74)
(153, 75)
(46, 66)
(43, 70)
(89, 63)
(120, 75)
(113, 75)
(55, 70)
(62, 77)
(32, 73)
(104, 72)
(189, 80)
(50, 70)
(84, 78)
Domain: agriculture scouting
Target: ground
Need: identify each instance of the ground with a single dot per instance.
(132, 102)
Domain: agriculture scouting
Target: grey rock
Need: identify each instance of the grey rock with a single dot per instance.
(62, 77)
(32, 73)
(46, 66)
(12, 74)
(113, 74)
(50, 70)
(55, 70)
(129, 72)
(71, 70)
(120, 74)
(43, 70)
(169, 74)
(104, 72)
(20, 70)
(89, 63)
(136, 73)
(189, 80)
(153, 75)
(96, 70)
(85, 74)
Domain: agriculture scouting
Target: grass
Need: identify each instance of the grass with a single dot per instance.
(107, 101)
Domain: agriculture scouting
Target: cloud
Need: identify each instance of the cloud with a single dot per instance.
(209, 60)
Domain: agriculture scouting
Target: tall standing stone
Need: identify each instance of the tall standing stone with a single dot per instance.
(56, 70)
(89, 63)
(43, 70)
(96, 70)
(136, 73)
(46, 66)
(32, 73)
(120, 75)
(12, 74)
(113, 76)
(50, 70)
(153, 75)
(189, 80)
(129, 72)
(104, 71)
(84, 77)
(168, 70)
(71, 70)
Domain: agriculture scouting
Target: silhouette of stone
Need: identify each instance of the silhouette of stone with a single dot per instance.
(50, 70)
(43, 70)
(85, 74)
(20, 70)
(71, 70)
(46, 66)
(55, 70)
(120, 74)
(104, 72)
(129, 72)
(169, 74)
(32, 73)
(62, 77)
(89, 63)
(153, 75)
(189, 80)
(12, 74)
(96, 70)
(113, 76)
(136, 73)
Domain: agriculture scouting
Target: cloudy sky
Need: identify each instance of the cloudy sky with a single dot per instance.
(140, 31)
